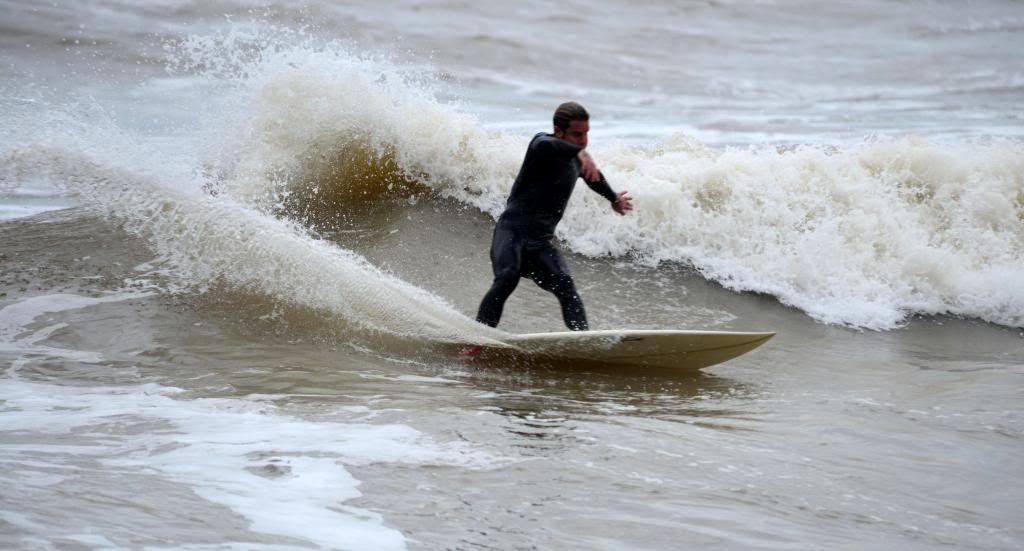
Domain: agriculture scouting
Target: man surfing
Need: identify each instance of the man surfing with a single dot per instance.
(522, 244)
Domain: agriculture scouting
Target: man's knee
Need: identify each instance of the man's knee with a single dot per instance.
(505, 280)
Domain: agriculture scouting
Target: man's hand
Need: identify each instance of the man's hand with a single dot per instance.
(623, 204)
(588, 169)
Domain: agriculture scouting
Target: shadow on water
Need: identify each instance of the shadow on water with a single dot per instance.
(533, 390)
(546, 409)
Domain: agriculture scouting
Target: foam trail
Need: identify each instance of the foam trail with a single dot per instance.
(209, 239)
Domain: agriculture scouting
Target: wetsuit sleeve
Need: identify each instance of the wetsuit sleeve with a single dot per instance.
(601, 186)
(550, 145)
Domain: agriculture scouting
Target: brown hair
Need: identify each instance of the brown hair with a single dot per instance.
(568, 112)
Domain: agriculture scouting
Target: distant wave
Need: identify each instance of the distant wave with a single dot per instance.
(972, 25)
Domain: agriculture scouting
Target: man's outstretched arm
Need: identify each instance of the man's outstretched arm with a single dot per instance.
(621, 202)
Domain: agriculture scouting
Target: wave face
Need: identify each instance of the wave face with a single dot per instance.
(297, 132)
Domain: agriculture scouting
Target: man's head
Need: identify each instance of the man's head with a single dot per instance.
(572, 123)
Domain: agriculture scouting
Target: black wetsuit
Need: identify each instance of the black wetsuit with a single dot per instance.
(522, 244)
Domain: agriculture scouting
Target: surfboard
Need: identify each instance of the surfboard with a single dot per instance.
(630, 348)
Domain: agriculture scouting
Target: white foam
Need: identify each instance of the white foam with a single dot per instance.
(861, 235)
(285, 475)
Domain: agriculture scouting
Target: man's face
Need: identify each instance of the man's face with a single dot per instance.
(575, 134)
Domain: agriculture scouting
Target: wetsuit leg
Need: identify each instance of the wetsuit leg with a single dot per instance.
(548, 269)
(506, 261)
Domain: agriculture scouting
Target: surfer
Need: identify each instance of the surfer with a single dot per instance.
(522, 244)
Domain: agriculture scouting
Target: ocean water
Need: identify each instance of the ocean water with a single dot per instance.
(231, 231)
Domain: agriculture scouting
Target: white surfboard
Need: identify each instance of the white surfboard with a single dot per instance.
(635, 348)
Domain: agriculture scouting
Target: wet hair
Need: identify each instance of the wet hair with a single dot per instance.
(568, 112)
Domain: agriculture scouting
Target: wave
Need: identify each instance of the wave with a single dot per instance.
(863, 235)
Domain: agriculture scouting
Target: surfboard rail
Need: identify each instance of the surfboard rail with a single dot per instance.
(631, 348)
